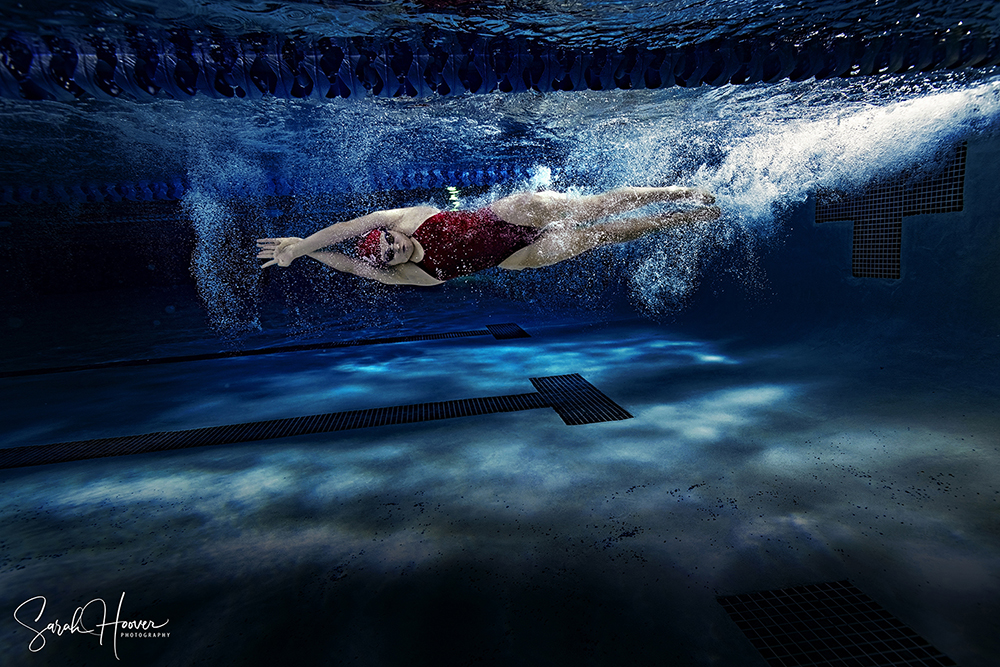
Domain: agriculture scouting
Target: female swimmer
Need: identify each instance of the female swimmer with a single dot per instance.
(424, 246)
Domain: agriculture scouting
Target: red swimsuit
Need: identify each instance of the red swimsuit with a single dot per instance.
(457, 243)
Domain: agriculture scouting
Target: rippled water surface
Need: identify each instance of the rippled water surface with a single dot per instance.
(575, 23)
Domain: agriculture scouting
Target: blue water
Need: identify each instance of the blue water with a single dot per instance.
(762, 149)
(793, 424)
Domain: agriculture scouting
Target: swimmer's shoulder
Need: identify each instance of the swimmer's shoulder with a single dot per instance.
(408, 219)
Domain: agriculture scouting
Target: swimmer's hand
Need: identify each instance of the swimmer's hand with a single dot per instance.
(280, 251)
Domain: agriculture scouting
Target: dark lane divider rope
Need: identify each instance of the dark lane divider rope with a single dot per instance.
(181, 65)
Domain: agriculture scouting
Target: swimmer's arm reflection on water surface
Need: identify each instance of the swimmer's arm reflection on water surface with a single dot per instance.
(526, 230)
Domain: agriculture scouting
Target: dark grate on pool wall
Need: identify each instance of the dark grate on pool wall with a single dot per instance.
(499, 331)
(832, 624)
(878, 214)
(573, 398)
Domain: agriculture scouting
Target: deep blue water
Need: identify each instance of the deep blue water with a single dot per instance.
(764, 149)
(792, 424)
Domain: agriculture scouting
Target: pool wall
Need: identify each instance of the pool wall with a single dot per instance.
(946, 296)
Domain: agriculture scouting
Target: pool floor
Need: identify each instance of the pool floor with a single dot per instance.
(507, 538)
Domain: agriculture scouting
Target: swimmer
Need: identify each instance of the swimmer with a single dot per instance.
(422, 245)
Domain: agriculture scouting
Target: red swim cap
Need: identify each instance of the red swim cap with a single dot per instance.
(370, 248)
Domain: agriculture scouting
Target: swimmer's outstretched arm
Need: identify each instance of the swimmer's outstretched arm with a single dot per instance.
(405, 220)
(399, 274)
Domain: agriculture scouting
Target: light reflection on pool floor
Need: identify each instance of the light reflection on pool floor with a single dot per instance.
(512, 538)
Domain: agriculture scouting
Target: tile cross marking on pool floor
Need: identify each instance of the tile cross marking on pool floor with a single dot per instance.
(574, 399)
(831, 624)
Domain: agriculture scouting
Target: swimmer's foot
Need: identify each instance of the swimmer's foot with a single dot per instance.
(706, 214)
(703, 197)
(678, 193)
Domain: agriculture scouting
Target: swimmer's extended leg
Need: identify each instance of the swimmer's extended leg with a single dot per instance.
(567, 241)
(537, 209)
